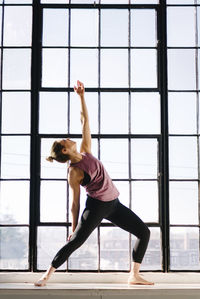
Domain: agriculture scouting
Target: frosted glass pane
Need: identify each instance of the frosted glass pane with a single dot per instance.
(144, 158)
(181, 69)
(144, 1)
(16, 69)
(15, 112)
(15, 153)
(153, 256)
(182, 113)
(51, 170)
(184, 203)
(143, 68)
(184, 248)
(53, 115)
(85, 257)
(114, 107)
(183, 158)
(145, 113)
(55, 68)
(114, 68)
(18, 1)
(113, 32)
(114, 155)
(181, 26)
(17, 26)
(13, 196)
(180, 1)
(91, 99)
(145, 199)
(85, 34)
(143, 28)
(82, 60)
(0, 24)
(55, 1)
(114, 249)
(55, 27)
(14, 248)
(49, 241)
(53, 195)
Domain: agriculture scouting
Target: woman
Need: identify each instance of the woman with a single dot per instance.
(102, 199)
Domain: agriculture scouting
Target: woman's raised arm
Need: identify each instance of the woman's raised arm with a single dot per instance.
(86, 136)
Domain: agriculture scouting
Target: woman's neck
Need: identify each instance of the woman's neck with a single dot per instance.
(76, 157)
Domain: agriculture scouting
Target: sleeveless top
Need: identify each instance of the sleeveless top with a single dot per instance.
(98, 185)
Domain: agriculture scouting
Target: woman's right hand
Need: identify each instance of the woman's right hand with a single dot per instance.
(79, 89)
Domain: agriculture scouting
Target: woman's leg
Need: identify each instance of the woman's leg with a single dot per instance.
(129, 221)
(92, 216)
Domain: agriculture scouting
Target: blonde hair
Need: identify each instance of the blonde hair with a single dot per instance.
(57, 154)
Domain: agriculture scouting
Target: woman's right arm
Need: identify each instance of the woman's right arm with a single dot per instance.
(86, 136)
(74, 183)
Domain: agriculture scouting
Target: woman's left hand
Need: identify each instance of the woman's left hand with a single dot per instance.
(79, 89)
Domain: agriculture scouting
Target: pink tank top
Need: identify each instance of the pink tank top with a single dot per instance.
(100, 186)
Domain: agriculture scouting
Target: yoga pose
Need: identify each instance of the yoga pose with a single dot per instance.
(102, 199)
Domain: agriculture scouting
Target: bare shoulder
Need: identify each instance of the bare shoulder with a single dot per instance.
(75, 175)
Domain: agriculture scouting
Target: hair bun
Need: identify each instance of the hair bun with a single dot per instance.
(50, 159)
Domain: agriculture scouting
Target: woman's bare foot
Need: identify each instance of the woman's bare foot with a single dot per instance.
(137, 279)
(41, 282)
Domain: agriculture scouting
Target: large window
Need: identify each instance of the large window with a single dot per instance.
(125, 52)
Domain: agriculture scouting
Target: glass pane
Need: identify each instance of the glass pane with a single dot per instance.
(85, 257)
(17, 25)
(198, 24)
(143, 68)
(55, 27)
(53, 114)
(49, 241)
(145, 199)
(14, 248)
(0, 25)
(18, 1)
(114, 155)
(144, 158)
(117, 102)
(183, 158)
(55, 67)
(199, 66)
(15, 120)
(16, 69)
(14, 195)
(53, 195)
(114, 249)
(180, 1)
(153, 255)
(15, 153)
(184, 248)
(114, 68)
(181, 69)
(84, 1)
(182, 113)
(51, 170)
(145, 113)
(55, 1)
(184, 198)
(91, 99)
(144, 1)
(82, 60)
(143, 28)
(124, 190)
(181, 26)
(87, 33)
(113, 32)
(114, 1)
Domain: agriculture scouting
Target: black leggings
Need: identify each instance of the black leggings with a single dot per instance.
(92, 216)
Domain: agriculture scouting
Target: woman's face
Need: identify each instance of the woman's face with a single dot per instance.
(69, 144)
